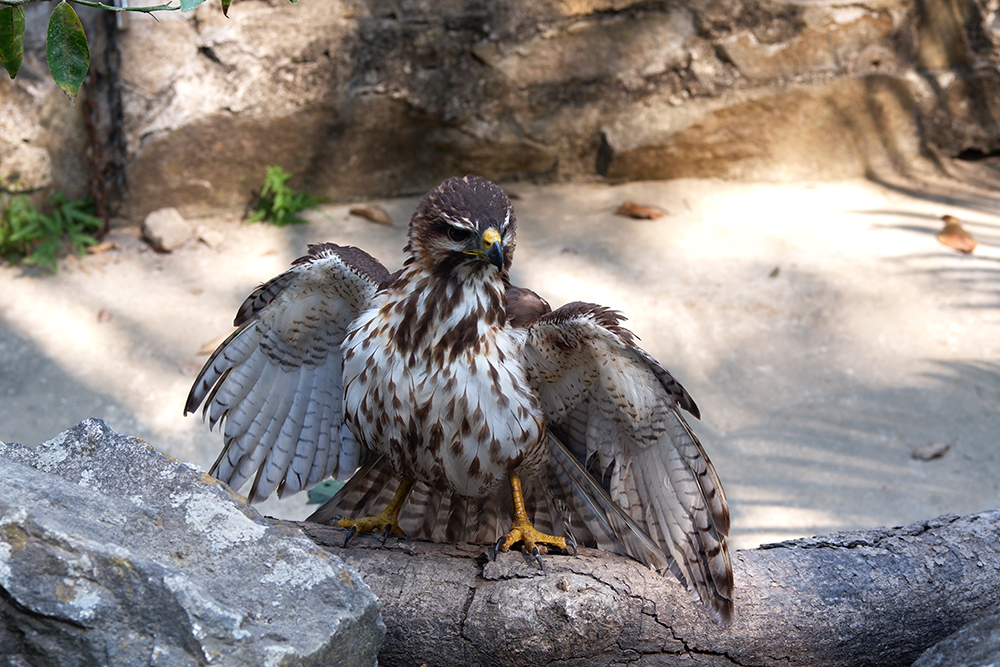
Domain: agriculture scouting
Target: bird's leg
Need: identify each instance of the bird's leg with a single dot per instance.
(521, 529)
(387, 522)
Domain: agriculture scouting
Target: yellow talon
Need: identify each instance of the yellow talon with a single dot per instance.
(367, 524)
(387, 522)
(521, 529)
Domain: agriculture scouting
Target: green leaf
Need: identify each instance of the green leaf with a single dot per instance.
(323, 491)
(78, 214)
(45, 254)
(66, 49)
(188, 5)
(225, 7)
(30, 227)
(11, 39)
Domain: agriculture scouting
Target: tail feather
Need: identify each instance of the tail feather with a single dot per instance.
(565, 500)
(594, 519)
(439, 515)
(371, 483)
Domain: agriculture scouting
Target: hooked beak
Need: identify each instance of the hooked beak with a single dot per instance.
(489, 248)
(493, 248)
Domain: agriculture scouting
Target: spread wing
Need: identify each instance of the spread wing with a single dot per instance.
(638, 478)
(276, 382)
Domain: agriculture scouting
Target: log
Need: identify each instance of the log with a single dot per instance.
(872, 597)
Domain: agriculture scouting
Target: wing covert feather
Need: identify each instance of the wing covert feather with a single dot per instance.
(276, 382)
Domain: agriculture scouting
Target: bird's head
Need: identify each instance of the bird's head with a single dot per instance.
(464, 224)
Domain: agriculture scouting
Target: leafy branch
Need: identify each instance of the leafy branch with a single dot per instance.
(98, 5)
(166, 7)
(66, 47)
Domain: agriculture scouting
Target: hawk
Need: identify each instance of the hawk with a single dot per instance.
(463, 408)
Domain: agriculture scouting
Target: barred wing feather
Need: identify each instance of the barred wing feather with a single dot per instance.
(276, 382)
(632, 463)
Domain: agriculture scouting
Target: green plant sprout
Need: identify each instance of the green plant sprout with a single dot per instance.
(278, 203)
(28, 235)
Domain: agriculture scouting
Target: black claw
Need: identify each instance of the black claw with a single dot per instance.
(496, 548)
(571, 544)
(351, 532)
(538, 558)
(385, 533)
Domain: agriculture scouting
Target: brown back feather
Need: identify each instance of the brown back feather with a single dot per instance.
(358, 260)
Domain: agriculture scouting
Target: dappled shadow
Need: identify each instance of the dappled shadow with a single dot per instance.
(813, 431)
(39, 399)
(842, 458)
(980, 280)
(60, 361)
(978, 274)
(978, 187)
(816, 384)
(977, 380)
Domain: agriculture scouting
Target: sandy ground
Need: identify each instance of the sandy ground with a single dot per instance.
(822, 329)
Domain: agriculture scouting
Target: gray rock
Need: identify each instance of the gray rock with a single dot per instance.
(114, 554)
(213, 238)
(627, 48)
(25, 168)
(166, 229)
(43, 139)
(975, 645)
(793, 134)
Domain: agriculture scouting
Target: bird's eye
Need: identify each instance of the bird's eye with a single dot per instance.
(459, 235)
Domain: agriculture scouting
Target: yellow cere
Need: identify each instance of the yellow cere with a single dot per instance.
(490, 237)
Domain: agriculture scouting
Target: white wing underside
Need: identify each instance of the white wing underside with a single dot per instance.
(276, 383)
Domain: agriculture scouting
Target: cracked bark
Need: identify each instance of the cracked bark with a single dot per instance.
(874, 597)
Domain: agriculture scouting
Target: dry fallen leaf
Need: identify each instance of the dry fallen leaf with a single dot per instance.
(209, 347)
(373, 213)
(931, 450)
(630, 209)
(103, 246)
(954, 236)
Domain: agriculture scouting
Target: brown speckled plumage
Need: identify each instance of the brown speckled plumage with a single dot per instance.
(447, 374)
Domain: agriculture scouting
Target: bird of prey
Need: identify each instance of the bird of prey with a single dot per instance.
(463, 408)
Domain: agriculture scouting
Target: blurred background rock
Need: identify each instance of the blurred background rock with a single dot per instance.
(363, 98)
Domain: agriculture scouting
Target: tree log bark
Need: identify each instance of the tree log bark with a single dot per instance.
(873, 597)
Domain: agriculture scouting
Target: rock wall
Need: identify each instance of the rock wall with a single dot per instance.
(369, 97)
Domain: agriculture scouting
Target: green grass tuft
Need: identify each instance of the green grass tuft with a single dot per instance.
(27, 235)
(278, 203)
